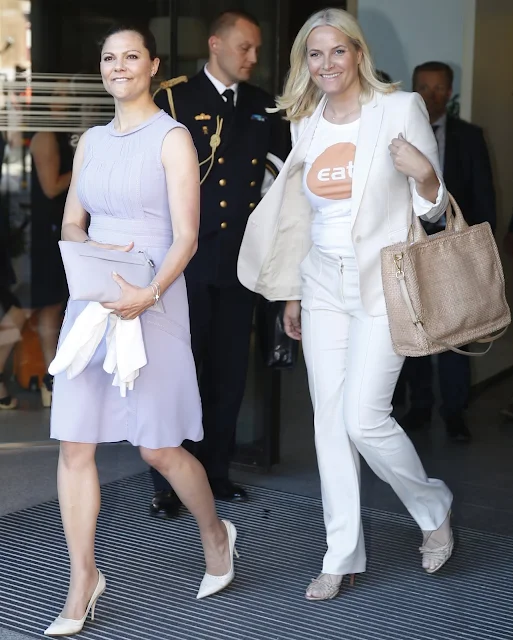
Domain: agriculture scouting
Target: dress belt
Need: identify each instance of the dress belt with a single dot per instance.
(142, 232)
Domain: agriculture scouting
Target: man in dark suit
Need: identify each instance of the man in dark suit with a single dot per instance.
(467, 173)
(238, 145)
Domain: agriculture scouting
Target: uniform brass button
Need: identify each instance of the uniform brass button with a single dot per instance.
(254, 161)
(224, 225)
(220, 160)
(224, 204)
(252, 205)
(222, 182)
(252, 183)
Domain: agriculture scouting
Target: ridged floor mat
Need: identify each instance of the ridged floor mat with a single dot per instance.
(154, 568)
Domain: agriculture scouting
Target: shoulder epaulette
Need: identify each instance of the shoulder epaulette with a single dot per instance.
(167, 84)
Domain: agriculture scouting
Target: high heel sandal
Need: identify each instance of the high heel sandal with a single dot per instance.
(7, 402)
(68, 627)
(326, 586)
(213, 584)
(435, 555)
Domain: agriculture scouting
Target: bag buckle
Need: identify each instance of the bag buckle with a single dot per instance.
(148, 259)
(398, 261)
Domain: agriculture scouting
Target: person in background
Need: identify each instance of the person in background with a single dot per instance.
(11, 325)
(362, 153)
(52, 159)
(13, 316)
(465, 163)
(221, 108)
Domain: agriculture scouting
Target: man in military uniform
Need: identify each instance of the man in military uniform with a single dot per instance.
(238, 145)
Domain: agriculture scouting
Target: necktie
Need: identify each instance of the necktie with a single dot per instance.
(435, 128)
(229, 96)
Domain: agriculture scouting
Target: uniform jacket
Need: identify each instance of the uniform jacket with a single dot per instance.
(233, 174)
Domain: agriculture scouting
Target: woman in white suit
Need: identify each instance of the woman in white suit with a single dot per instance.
(363, 153)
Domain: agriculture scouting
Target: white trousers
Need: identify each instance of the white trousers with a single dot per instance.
(352, 372)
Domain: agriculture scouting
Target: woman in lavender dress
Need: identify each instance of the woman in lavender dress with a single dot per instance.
(138, 179)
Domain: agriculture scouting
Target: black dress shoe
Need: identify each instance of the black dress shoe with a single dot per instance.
(416, 419)
(165, 504)
(223, 489)
(457, 430)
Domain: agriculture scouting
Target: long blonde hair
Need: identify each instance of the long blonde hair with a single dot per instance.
(301, 95)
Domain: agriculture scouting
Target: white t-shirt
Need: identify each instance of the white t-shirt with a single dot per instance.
(328, 184)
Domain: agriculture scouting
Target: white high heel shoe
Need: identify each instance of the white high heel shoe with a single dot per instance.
(68, 627)
(212, 584)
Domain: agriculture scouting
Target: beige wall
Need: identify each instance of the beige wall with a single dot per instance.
(492, 95)
(492, 109)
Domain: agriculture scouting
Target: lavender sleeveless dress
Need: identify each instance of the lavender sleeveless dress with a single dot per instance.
(122, 185)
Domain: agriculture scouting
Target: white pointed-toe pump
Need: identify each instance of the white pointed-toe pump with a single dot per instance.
(68, 627)
(213, 584)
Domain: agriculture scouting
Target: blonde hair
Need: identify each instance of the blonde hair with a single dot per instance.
(301, 95)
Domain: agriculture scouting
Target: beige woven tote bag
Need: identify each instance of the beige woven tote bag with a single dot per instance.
(446, 290)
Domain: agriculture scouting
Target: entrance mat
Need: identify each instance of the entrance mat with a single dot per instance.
(154, 568)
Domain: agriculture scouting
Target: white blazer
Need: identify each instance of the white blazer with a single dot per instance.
(277, 236)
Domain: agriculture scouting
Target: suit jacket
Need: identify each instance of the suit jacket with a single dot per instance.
(233, 174)
(277, 236)
(467, 171)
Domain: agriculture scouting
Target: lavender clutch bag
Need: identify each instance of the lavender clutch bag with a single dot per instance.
(89, 271)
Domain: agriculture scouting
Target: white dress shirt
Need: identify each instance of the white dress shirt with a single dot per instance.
(221, 87)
